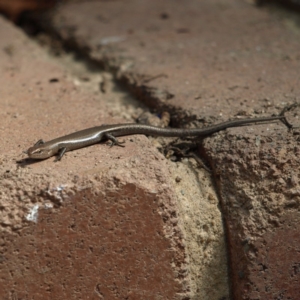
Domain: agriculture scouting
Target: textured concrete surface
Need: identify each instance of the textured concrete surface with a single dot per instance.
(103, 223)
(216, 59)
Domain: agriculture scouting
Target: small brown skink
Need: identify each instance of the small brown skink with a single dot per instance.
(90, 136)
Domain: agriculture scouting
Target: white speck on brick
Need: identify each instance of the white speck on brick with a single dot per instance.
(33, 214)
(48, 205)
(60, 187)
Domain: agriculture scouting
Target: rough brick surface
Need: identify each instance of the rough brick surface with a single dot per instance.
(103, 223)
(97, 246)
(216, 58)
(260, 199)
(96, 228)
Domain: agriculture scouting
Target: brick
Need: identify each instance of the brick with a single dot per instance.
(218, 58)
(102, 223)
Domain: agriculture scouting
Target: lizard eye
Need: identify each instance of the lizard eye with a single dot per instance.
(38, 151)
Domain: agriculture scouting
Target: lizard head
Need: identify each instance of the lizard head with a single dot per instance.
(41, 151)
